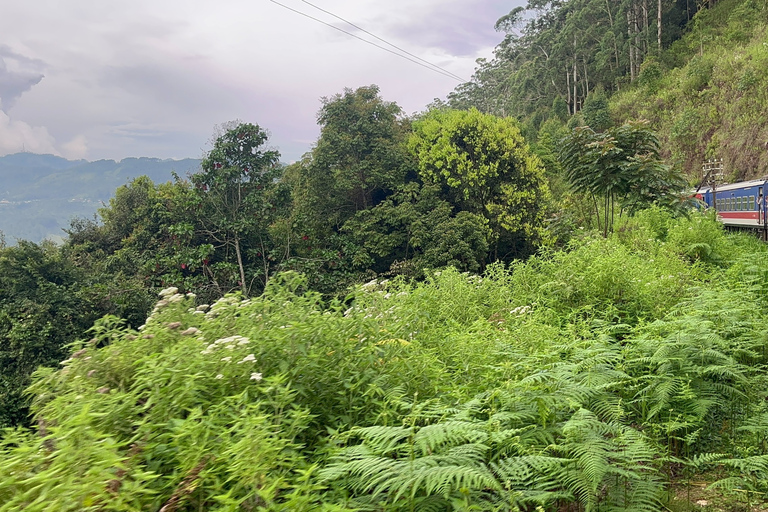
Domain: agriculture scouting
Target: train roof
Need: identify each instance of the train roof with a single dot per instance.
(742, 184)
(735, 186)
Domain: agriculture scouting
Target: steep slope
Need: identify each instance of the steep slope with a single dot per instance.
(707, 95)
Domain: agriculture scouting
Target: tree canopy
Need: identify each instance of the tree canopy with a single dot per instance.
(486, 168)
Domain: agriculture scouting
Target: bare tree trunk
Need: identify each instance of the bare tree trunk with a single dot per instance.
(571, 105)
(586, 79)
(638, 56)
(264, 261)
(658, 26)
(243, 286)
(575, 90)
(631, 50)
(597, 212)
(646, 29)
(575, 79)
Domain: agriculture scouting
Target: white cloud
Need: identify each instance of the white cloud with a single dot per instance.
(16, 136)
(76, 148)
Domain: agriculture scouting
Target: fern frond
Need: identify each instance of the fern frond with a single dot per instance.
(449, 433)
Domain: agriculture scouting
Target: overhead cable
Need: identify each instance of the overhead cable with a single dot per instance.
(457, 77)
(444, 73)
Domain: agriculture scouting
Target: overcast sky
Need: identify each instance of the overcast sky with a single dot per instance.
(94, 79)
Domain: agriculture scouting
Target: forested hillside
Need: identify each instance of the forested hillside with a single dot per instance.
(707, 95)
(698, 76)
(41, 194)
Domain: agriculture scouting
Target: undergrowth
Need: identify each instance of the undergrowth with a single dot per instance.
(591, 377)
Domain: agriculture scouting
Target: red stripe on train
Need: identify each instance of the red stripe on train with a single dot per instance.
(739, 215)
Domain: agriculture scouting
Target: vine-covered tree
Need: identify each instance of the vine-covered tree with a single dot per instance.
(359, 160)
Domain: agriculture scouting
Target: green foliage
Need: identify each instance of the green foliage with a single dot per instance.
(595, 111)
(232, 191)
(46, 302)
(580, 378)
(357, 161)
(622, 164)
(416, 227)
(487, 169)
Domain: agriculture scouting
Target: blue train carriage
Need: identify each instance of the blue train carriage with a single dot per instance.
(739, 205)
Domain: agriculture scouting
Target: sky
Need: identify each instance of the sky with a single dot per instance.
(93, 79)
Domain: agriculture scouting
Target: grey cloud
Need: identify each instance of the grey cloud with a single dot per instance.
(460, 28)
(18, 74)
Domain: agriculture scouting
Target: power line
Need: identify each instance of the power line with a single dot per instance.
(457, 77)
(447, 74)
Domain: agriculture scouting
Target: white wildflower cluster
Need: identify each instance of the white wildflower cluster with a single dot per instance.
(199, 310)
(374, 285)
(374, 312)
(250, 358)
(168, 296)
(521, 310)
(473, 278)
(222, 304)
(228, 343)
(176, 297)
(167, 292)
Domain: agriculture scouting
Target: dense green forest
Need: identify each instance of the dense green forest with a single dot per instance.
(505, 302)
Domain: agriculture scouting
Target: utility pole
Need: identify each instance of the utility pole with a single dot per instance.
(712, 172)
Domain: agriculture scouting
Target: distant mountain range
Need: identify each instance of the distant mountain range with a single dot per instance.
(41, 194)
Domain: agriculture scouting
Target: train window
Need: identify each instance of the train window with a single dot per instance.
(730, 203)
(752, 203)
(738, 203)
